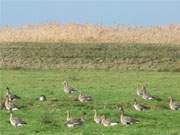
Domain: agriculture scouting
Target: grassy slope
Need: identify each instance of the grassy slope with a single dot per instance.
(107, 88)
(154, 57)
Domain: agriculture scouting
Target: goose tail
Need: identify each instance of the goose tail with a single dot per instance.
(15, 109)
(114, 123)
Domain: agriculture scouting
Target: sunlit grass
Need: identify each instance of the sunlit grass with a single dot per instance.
(107, 87)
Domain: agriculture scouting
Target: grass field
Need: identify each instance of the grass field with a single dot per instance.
(107, 87)
(149, 57)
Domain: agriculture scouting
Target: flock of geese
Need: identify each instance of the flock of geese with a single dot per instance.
(9, 104)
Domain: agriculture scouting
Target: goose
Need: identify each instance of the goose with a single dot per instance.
(173, 105)
(9, 105)
(68, 89)
(147, 96)
(97, 118)
(10, 95)
(17, 122)
(139, 91)
(139, 107)
(42, 98)
(84, 98)
(72, 122)
(107, 122)
(126, 120)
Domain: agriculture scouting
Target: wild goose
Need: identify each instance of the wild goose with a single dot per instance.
(84, 98)
(173, 105)
(140, 90)
(17, 122)
(72, 122)
(68, 89)
(42, 98)
(139, 107)
(126, 120)
(97, 118)
(9, 105)
(11, 96)
(147, 96)
(107, 122)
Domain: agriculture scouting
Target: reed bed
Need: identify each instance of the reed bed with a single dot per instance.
(87, 33)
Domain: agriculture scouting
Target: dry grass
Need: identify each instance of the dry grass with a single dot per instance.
(151, 57)
(78, 33)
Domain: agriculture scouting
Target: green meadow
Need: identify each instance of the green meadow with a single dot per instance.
(108, 87)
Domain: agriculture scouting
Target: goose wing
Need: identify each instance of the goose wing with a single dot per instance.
(74, 122)
(130, 120)
(89, 98)
(176, 104)
(18, 120)
(69, 89)
(16, 97)
(142, 107)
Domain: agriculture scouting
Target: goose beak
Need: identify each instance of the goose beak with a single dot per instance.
(169, 97)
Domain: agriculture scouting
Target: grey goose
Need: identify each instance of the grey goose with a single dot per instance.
(107, 122)
(15, 121)
(73, 122)
(139, 107)
(173, 105)
(126, 120)
(84, 98)
(97, 118)
(68, 89)
(11, 96)
(9, 105)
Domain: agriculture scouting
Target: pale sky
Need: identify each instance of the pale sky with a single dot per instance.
(129, 12)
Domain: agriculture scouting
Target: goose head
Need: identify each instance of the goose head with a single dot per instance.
(7, 91)
(7, 88)
(120, 108)
(139, 85)
(103, 117)
(94, 110)
(135, 101)
(65, 83)
(170, 99)
(143, 87)
(81, 93)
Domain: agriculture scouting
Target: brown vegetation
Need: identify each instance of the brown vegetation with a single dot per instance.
(151, 57)
(79, 33)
